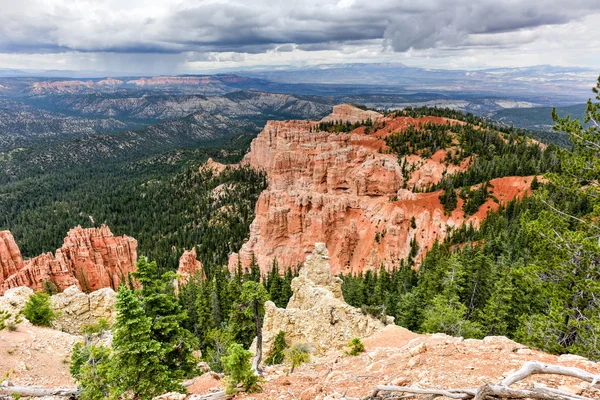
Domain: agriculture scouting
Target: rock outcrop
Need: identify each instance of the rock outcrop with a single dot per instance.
(343, 189)
(189, 265)
(90, 259)
(349, 113)
(317, 314)
(73, 308)
(11, 260)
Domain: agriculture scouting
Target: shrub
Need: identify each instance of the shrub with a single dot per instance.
(92, 329)
(278, 352)
(37, 309)
(448, 315)
(13, 324)
(49, 287)
(90, 367)
(375, 312)
(356, 347)
(3, 317)
(297, 355)
(239, 371)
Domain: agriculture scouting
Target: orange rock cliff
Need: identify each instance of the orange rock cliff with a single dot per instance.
(342, 189)
(91, 259)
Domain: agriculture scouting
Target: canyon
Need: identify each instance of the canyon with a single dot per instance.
(347, 190)
(89, 259)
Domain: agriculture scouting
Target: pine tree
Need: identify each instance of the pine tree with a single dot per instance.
(566, 237)
(447, 314)
(252, 301)
(37, 310)
(167, 316)
(137, 358)
(277, 354)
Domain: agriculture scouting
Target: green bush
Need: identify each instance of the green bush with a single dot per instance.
(93, 329)
(448, 315)
(3, 317)
(297, 355)
(91, 368)
(356, 347)
(239, 371)
(13, 324)
(277, 354)
(37, 309)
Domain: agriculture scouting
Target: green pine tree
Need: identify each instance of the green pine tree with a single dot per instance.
(167, 316)
(137, 358)
(252, 301)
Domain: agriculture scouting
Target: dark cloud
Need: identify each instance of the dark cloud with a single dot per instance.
(153, 26)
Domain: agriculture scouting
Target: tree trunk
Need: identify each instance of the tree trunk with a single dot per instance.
(258, 357)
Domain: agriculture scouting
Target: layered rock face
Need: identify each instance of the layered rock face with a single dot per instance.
(76, 309)
(10, 256)
(317, 314)
(73, 308)
(90, 259)
(343, 190)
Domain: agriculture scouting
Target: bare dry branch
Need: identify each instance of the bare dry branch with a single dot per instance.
(536, 367)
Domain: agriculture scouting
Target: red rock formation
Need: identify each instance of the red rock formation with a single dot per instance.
(346, 112)
(343, 190)
(10, 255)
(90, 258)
(189, 265)
(60, 86)
(215, 166)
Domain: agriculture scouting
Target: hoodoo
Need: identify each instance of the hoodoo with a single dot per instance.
(90, 259)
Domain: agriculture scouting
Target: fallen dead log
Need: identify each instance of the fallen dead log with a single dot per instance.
(503, 390)
(212, 396)
(29, 391)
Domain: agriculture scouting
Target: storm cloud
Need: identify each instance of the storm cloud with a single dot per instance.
(200, 28)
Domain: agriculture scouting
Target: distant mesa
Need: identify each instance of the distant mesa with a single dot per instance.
(109, 82)
(74, 86)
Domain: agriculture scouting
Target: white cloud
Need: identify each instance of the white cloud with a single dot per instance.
(166, 36)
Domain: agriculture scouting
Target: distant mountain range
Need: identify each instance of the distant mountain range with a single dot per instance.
(537, 84)
(541, 82)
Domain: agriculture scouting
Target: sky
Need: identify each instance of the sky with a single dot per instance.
(194, 36)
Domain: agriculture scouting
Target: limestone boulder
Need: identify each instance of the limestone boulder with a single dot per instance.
(317, 314)
(14, 300)
(75, 309)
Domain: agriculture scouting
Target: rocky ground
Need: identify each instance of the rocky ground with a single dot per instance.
(35, 356)
(397, 356)
(40, 357)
